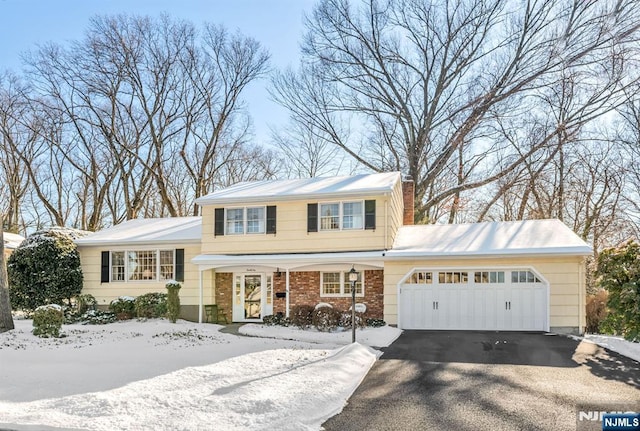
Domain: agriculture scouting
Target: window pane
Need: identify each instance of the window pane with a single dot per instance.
(331, 283)
(347, 284)
(117, 266)
(142, 265)
(514, 276)
(501, 277)
(255, 220)
(329, 216)
(235, 221)
(166, 264)
(352, 215)
(493, 277)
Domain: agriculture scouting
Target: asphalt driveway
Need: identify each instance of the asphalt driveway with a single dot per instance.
(450, 380)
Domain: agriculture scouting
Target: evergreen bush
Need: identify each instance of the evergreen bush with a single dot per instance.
(45, 269)
(173, 303)
(375, 323)
(97, 317)
(326, 318)
(47, 321)
(151, 305)
(123, 307)
(345, 320)
(302, 316)
(276, 320)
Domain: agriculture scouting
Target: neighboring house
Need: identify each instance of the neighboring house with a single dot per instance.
(11, 242)
(263, 247)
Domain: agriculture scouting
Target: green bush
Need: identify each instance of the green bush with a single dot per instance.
(302, 316)
(84, 303)
(276, 320)
(619, 273)
(123, 307)
(173, 302)
(47, 321)
(345, 320)
(326, 318)
(45, 269)
(97, 317)
(151, 305)
(375, 323)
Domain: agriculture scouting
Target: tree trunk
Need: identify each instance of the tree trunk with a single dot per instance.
(6, 320)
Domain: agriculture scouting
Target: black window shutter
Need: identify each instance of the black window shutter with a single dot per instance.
(312, 217)
(179, 264)
(370, 214)
(271, 219)
(218, 221)
(104, 267)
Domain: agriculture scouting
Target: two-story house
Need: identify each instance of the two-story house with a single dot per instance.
(262, 247)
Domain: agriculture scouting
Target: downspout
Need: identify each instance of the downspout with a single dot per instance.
(581, 293)
(386, 224)
(200, 298)
(287, 290)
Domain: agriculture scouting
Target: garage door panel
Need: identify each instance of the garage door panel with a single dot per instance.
(509, 305)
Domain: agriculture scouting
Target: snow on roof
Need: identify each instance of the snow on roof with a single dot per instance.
(304, 188)
(146, 231)
(485, 239)
(12, 240)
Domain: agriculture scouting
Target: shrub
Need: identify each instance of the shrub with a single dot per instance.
(45, 269)
(85, 302)
(619, 273)
(97, 317)
(302, 316)
(375, 323)
(47, 321)
(276, 320)
(173, 302)
(345, 320)
(123, 307)
(151, 305)
(325, 318)
(596, 310)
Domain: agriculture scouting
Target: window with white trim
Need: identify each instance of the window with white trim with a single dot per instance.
(142, 265)
(245, 220)
(421, 277)
(524, 277)
(338, 284)
(341, 215)
(453, 277)
(484, 277)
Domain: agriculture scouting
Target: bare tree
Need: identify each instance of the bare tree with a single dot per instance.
(405, 84)
(6, 319)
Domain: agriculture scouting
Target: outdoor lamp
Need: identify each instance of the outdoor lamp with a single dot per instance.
(353, 277)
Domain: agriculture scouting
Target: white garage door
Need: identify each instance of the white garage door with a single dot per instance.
(501, 299)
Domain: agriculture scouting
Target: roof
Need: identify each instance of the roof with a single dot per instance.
(304, 188)
(529, 237)
(292, 260)
(148, 231)
(12, 240)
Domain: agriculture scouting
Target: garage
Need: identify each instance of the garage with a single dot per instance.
(505, 299)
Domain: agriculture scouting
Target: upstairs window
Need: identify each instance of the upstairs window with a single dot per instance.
(329, 216)
(245, 220)
(341, 215)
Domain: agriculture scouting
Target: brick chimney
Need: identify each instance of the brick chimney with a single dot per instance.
(407, 199)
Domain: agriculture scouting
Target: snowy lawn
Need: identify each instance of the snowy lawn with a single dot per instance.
(156, 375)
(617, 344)
(374, 337)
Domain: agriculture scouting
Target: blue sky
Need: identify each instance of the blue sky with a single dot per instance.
(277, 24)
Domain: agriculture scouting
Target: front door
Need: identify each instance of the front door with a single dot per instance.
(252, 297)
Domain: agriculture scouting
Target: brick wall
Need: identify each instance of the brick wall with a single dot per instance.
(305, 289)
(408, 194)
(224, 291)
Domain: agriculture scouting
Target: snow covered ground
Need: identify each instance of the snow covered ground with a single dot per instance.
(617, 344)
(156, 375)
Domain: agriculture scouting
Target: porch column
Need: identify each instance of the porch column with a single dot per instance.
(287, 290)
(201, 296)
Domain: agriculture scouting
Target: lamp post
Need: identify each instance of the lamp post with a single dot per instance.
(353, 277)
